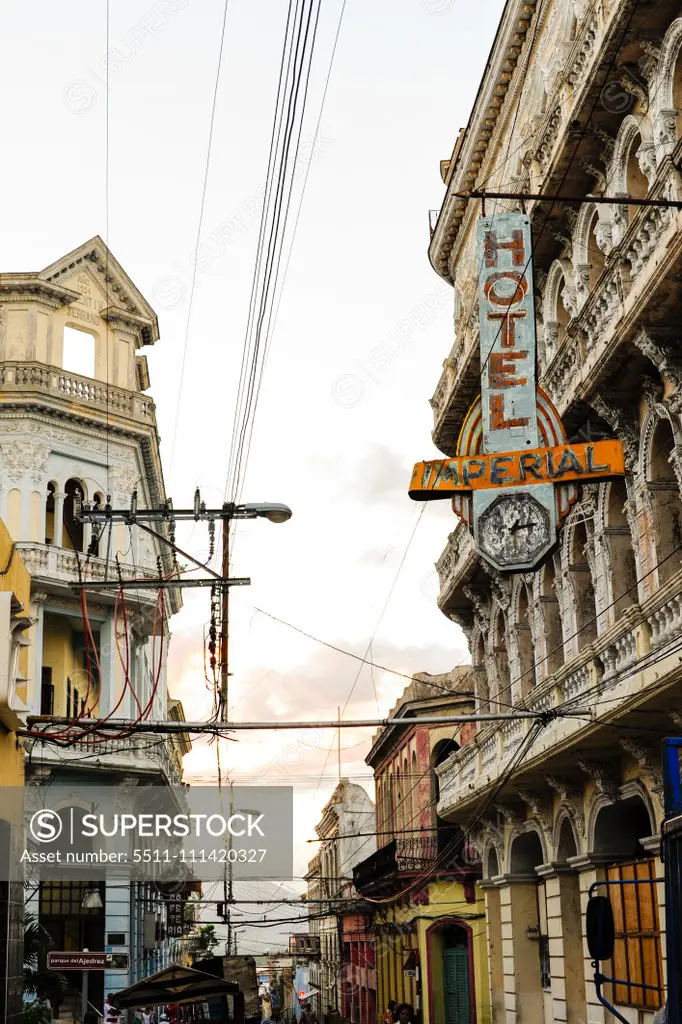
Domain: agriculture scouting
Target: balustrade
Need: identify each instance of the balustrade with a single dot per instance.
(16, 377)
(666, 622)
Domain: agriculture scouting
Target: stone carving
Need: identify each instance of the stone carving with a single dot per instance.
(602, 775)
(646, 158)
(663, 358)
(571, 799)
(539, 807)
(666, 130)
(125, 480)
(480, 606)
(24, 457)
(603, 234)
(582, 284)
(622, 427)
(544, 150)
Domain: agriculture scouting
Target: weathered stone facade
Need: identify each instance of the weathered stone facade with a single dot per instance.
(580, 99)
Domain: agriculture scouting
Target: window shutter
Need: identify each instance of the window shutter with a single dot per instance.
(456, 984)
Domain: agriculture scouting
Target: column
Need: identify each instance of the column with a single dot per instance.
(107, 661)
(523, 999)
(493, 925)
(58, 539)
(564, 928)
(591, 868)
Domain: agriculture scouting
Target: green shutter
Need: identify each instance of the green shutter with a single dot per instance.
(456, 984)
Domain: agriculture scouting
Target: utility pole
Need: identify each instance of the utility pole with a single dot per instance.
(338, 739)
(225, 621)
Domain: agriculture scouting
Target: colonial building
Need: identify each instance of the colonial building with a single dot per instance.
(15, 596)
(427, 917)
(77, 425)
(346, 831)
(580, 99)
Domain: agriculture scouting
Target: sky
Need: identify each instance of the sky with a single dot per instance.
(364, 323)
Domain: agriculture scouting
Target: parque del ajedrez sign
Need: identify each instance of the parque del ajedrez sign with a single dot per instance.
(514, 476)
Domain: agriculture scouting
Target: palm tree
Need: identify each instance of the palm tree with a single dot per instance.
(38, 980)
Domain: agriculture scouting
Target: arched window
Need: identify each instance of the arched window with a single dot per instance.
(524, 639)
(78, 354)
(595, 256)
(481, 684)
(567, 846)
(636, 182)
(583, 586)
(446, 832)
(558, 300)
(623, 566)
(665, 500)
(554, 640)
(49, 513)
(98, 501)
(390, 805)
(73, 530)
(501, 689)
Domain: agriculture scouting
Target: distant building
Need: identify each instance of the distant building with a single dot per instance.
(425, 914)
(346, 832)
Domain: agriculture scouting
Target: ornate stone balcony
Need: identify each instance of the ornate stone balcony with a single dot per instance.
(456, 388)
(603, 678)
(647, 256)
(133, 754)
(48, 564)
(454, 564)
(21, 380)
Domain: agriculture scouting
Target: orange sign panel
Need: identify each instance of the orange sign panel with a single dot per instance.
(561, 464)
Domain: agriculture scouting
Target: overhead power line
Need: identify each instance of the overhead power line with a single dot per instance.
(361, 723)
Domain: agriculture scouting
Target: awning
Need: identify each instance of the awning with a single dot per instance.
(173, 985)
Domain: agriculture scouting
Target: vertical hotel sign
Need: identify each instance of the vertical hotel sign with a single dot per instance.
(507, 320)
(514, 476)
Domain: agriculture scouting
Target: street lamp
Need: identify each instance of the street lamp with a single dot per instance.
(273, 511)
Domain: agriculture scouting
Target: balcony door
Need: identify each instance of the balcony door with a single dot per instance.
(456, 985)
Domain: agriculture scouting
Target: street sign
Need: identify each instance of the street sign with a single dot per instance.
(80, 961)
(514, 477)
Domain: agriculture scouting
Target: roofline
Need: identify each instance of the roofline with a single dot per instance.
(512, 30)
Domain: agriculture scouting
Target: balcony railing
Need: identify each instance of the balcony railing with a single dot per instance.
(608, 665)
(19, 378)
(47, 561)
(444, 850)
(130, 753)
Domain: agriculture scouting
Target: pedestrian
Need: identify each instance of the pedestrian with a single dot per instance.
(275, 1015)
(111, 1014)
(405, 1014)
(390, 1013)
(148, 1016)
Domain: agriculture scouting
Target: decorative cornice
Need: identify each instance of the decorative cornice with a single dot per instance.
(511, 35)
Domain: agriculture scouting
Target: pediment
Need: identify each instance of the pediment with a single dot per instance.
(95, 273)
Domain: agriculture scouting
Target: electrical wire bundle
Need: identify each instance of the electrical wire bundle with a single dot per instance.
(292, 94)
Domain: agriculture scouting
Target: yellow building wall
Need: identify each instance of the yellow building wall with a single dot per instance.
(14, 578)
(446, 900)
(66, 663)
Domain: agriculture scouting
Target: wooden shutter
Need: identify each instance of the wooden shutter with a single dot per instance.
(637, 953)
(456, 985)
